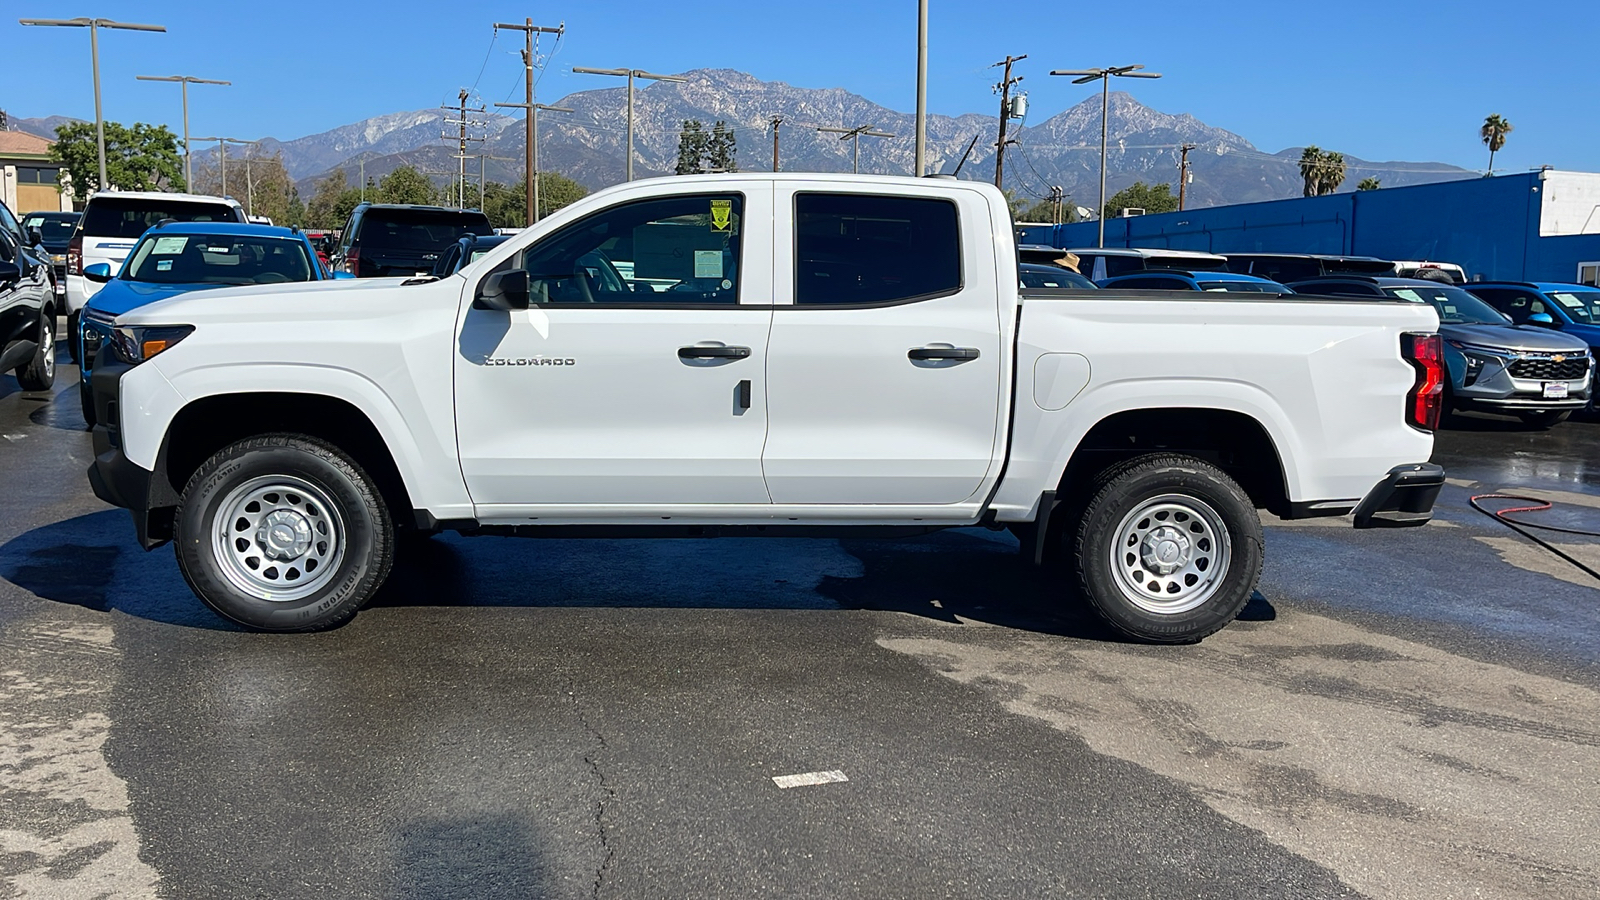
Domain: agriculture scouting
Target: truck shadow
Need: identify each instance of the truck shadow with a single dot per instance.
(957, 577)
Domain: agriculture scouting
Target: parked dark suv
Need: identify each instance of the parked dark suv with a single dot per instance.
(387, 240)
(55, 232)
(27, 307)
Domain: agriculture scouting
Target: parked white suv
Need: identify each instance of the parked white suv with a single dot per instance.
(766, 355)
(111, 224)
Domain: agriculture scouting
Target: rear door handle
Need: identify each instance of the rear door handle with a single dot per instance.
(713, 352)
(943, 353)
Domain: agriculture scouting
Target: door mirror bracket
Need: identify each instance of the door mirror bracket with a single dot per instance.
(503, 291)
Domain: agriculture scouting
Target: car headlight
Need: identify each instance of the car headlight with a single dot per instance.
(136, 343)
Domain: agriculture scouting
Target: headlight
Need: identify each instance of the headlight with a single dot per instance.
(136, 343)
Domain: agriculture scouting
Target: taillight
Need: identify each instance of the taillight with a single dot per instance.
(351, 264)
(75, 254)
(1425, 402)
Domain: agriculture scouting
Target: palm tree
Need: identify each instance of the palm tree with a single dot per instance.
(1311, 170)
(1332, 172)
(1369, 184)
(1494, 131)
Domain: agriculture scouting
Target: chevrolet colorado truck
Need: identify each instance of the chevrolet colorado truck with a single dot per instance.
(759, 354)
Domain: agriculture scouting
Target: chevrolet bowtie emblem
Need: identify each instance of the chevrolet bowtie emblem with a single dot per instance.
(1559, 357)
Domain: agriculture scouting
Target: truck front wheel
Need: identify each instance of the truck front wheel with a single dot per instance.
(1168, 549)
(283, 533)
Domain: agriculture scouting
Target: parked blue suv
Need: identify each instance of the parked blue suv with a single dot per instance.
(1573, 308)
(177, 257)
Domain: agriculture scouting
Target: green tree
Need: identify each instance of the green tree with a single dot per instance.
(1152, 198)
(1493, 134)
(405, 185)
(694, 144)
(140, 158)
(1322, 171)
(507, 205)
(723, 153)
(332, 201)
(1369, 184)
(1045, 211)
(260, 182)
(557, 190)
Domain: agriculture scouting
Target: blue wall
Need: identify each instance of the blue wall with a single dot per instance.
(1489, 226)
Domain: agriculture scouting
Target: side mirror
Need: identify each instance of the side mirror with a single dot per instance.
(1543, 320)
(99, 273)
(504, 291)
(9, 271)
(35, 237)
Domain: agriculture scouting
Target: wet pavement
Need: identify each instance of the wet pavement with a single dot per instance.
(1407, 713)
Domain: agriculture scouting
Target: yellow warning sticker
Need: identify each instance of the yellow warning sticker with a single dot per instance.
(722, 215)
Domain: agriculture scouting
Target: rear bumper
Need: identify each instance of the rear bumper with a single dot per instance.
(1403, 499)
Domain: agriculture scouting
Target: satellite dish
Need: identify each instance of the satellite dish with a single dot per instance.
(1085, 212)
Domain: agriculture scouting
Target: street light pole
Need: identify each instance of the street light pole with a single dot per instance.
(185, 81)
(94, 26)
(855, 134)
(630, 74)
(1084, 76)
(922, 89)
(222, 157)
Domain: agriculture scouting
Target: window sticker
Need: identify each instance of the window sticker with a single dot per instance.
(170, 246)
(708, 264)
(1570, 301)
(722, 215)
(163, 265)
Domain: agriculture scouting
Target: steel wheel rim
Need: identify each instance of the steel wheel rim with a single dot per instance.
(278, 538)
(1170, 554)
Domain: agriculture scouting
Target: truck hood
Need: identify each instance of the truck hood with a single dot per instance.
(1525, 338)
(316, 300)
(117, 297)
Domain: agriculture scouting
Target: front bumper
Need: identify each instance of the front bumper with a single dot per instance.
(1403, 499)
(1496, 389)
(147, 495)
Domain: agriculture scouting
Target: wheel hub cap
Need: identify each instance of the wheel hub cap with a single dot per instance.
(1165, 550)
(284, 534)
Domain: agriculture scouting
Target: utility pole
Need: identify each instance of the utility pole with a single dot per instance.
(855, 134)
(776, 121)
(462, 139)
(1004, 87)
(921, 154)
(631, 74)
(529, 31)
(94, 26)
(185, 81)
(531, 110)
(1183, 173)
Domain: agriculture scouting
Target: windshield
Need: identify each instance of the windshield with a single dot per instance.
(1246, 287)
(1455, 306)
(417, 230)
(111, 216)
(217, 259)
(1582, 306)
(52, 229)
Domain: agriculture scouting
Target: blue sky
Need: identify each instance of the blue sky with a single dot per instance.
(1402, 79)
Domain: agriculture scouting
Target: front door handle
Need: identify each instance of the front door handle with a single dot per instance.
(943, 353)
(713, 352)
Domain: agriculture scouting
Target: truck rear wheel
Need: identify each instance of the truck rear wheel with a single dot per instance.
(1168, 549)
(283, 533)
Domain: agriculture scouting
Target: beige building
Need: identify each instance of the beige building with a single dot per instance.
(28, 176)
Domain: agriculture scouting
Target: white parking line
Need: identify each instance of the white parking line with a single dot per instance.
(806, 779)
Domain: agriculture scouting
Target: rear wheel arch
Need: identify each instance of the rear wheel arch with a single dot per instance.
(1234, 442)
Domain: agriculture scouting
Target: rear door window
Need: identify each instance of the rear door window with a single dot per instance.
(111, 216)
(417, 231)
(868, 248)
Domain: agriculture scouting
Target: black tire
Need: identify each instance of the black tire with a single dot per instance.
(1214, 535)
(72, 338)
(39, 372)
(293, 470)
(86, 402)
(1543, 420)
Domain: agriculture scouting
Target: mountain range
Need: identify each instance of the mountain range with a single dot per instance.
(588, 144)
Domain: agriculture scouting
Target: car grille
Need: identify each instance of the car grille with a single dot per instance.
(1572, 368)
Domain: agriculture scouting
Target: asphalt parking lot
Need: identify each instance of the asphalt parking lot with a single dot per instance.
(1409, 713)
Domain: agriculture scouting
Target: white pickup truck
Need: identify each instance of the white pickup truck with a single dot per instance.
(759, 354)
